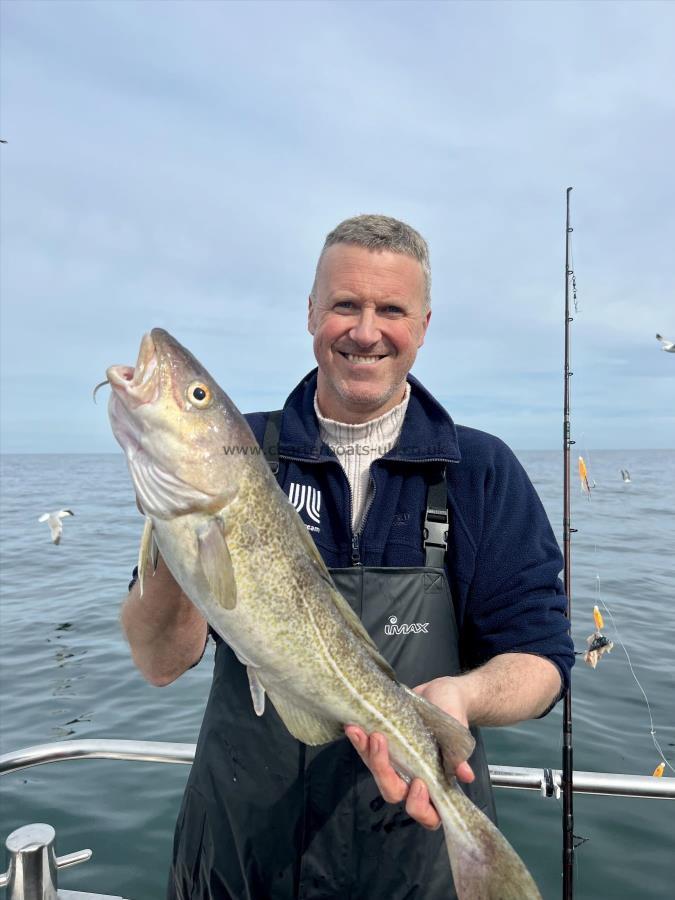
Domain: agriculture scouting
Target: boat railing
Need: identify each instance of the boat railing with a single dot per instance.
(546, 781)
(33, 864)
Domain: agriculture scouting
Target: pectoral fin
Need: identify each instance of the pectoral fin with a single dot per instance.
(216, 564)
(303, 724)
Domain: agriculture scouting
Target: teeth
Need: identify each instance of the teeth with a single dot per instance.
(365, 360)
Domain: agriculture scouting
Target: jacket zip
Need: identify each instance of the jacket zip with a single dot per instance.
(356, 535)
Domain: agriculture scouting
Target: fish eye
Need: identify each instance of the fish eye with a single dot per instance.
(199, 395)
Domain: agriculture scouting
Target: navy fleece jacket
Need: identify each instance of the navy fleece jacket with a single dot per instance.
(503, 560)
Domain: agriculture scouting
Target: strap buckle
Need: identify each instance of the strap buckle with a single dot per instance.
(436, 524)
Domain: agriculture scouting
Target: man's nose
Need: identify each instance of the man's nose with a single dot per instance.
(366, 330)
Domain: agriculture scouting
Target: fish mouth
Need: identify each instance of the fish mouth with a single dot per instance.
(137, 385)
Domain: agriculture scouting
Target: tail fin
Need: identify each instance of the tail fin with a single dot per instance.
(484, 865)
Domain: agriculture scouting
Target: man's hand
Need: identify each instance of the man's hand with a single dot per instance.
(509, 688)
(373, 750)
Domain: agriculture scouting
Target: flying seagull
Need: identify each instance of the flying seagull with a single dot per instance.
(625, 474)
(666, 345)
(53, 519)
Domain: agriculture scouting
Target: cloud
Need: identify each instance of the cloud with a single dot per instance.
(179, 165)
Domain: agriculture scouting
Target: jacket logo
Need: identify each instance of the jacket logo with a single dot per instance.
(414, 628)
(302, 496)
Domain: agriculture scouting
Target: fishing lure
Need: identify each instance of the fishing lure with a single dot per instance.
(598, 644)
(583, 475)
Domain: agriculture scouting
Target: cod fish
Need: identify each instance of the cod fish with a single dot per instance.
(241, 553)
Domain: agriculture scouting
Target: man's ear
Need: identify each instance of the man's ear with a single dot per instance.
(311, 325)
(424, 327)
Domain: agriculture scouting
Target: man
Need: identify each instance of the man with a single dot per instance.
(437, 539)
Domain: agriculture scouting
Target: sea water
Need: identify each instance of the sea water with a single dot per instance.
(66, 673)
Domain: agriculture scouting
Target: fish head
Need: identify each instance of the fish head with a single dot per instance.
(173, 422)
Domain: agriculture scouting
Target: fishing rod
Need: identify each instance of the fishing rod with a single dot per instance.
(567, 765)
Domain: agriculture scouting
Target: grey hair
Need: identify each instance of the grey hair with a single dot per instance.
(374, 232)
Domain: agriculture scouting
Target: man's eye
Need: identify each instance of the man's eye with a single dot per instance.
(344, 306)
(392, 310)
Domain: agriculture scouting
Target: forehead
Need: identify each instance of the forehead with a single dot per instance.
(369, 274)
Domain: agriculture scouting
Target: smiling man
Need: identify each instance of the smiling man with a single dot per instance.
(368, 314)
(437, 539)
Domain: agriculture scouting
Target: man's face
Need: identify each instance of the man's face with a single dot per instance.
(368, 322)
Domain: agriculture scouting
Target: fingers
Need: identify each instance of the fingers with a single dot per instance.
(375, 755)
(419, 806)
(464, 773)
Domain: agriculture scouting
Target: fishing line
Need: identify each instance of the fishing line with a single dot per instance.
(588, 484)
(598, 643)
(652, 730)
(577, 307)
(601, 601)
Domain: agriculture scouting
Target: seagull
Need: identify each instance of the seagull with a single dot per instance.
(625, 474)
(53, 519)
(666, 345)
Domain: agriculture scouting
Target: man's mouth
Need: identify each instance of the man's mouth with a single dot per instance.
(362, 360)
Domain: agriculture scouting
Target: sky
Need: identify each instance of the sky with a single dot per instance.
(179, 165)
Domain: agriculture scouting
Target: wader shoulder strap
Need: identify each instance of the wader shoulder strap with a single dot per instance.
(436, 522)
(270, 445)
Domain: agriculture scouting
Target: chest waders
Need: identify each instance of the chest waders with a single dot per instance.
(265, 817)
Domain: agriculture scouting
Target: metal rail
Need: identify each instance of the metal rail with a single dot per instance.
(547, 781)
(141, 751)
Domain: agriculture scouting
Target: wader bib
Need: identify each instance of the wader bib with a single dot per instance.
(265, 817)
